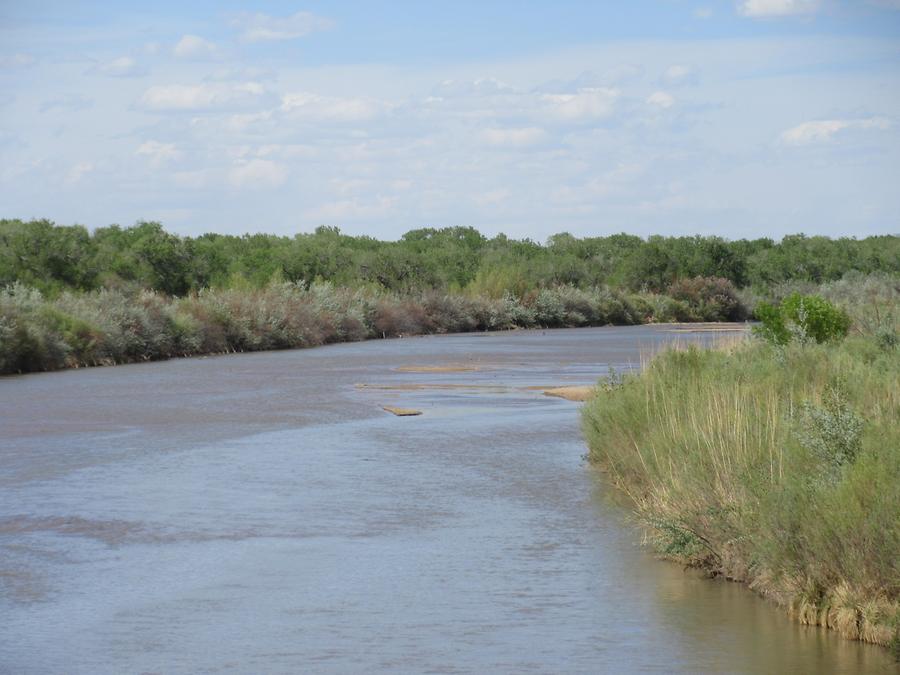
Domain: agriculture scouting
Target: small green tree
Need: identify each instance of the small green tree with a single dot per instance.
(803, 317)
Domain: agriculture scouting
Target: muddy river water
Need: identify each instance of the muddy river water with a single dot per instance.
(261, 513)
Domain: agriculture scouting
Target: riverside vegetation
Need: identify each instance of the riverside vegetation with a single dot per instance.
(775, 461)
(73, 298)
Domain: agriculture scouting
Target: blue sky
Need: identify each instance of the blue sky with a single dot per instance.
(743, 119)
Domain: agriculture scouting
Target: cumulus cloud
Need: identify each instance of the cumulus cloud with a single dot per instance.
(194, 47)
(822, 131)
(123, 66)
(159, 153)
(520, 137)
(257, 174)
(761, 9)
(199, 97)
(661, 99)
(264, 28)
(309, 106)
(585, 104)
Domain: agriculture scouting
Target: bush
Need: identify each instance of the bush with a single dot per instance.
(709, 298)
(832, 432)
(28, 341)
(549, 311)
(804, 318)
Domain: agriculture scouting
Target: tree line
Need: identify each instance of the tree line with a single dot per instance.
(53, 258)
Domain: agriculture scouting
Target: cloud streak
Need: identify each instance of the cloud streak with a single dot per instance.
(264, 28)
(823, 131)
(202, 97)
(765, 9)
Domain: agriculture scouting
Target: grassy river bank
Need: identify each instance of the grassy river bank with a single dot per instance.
(776, 465)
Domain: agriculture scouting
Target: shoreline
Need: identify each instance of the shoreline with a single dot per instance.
(703, 448)
(726, 327)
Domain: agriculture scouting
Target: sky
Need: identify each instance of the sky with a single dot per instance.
(741, 118)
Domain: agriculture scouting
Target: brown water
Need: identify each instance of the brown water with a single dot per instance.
(261, 513)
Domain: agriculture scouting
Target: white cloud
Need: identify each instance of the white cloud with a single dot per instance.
(614, 182)
(760, 9)
(492, 197)
(264, 28)
(351, 209)
(702, 13)
(209, 96)
(483, 86)
(194, 47)
(77, 172)
(257, 174)
(589, 103)
(661, 99)
(822, 131)
(679, 74)
(243, 122)
(16, 60)
(287, 151)
(198, 179)
(159, 153)
(306, 105)
(124, 66)
(521, 137)
(241, 74)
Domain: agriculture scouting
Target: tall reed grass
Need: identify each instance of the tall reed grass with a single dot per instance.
(774, 466)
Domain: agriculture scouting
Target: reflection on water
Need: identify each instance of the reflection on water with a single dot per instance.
(261, 513)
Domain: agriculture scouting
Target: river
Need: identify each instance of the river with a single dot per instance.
(261, 513)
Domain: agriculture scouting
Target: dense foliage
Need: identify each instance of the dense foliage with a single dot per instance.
(803, 318)
(117, 295)
(122, 325)
(775, 464)
(51, 258)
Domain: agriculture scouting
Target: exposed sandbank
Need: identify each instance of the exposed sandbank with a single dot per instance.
(401, 412)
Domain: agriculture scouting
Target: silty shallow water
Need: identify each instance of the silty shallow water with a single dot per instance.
(261, 513)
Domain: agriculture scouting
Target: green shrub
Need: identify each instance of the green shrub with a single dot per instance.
(832, 432)
(803, 318)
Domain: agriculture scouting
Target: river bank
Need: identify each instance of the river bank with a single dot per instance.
(775, 467)
(109, 327)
